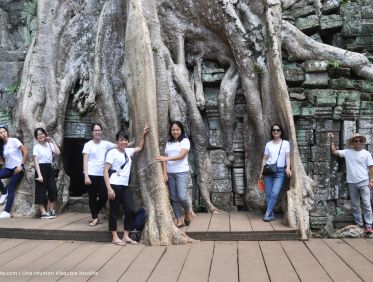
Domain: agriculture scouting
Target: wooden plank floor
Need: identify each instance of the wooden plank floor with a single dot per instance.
(235, 226)
(314, 260)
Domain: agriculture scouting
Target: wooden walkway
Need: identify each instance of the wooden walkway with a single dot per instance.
(314, 260)
(239, 226)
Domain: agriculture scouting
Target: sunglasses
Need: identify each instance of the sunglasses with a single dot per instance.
(358, 141)
(276, 130)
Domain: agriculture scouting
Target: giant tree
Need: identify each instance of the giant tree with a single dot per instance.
(147, 55)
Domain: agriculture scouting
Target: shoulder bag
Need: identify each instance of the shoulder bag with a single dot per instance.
(270, 169)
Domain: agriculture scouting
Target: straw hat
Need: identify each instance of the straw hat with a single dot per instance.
(350, 141)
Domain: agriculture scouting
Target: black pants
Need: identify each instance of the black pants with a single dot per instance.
(123, 196)
(48, 185)
(97, 193)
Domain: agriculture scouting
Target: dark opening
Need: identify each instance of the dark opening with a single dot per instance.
(73, 163)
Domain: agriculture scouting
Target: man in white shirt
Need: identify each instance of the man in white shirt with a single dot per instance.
(359, 167)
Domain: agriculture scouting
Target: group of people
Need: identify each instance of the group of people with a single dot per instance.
(107, 168)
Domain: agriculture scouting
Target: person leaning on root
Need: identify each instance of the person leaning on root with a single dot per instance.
(117, 171)
(45, 183)
(175, 168)
(359, 167)
(277, 151)
(14, 153)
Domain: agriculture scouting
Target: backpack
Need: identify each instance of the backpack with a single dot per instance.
(141, 216)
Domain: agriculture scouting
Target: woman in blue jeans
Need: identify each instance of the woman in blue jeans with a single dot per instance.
(277, 151)
(176, 171)
(14, 156)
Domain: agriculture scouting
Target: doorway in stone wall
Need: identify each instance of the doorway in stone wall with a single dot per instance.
(73, 164)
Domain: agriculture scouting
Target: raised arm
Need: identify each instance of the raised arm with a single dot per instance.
(139, 147)
(333, 148)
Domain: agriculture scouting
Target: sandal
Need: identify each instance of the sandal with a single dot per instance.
(94, 222)
(119, 243)
(131, 242)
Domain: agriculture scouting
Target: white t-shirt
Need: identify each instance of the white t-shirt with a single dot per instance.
(272, 149)
(12, 153)
(44, 152)
(96, 156)
(357, 163)
(173, 149)
(117, 159)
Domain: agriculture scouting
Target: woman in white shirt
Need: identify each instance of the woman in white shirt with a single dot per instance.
(176, 171)
(277, 151)
(14, 156)
(45, 182)
(116, 174)
(94, 153)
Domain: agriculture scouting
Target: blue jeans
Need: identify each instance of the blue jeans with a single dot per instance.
(357, 191)
(273, 185)
(11, 187)
(178, 186)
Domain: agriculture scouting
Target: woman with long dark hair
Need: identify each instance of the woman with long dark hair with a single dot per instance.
(14, 155)
(176, 171)
(277, 152)
(94, 153)
(45, 182)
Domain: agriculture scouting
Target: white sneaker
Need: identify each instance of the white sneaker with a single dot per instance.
(4, 214)
(3, 198)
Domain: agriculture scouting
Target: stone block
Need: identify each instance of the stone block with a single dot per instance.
(305, 137)
(322, 182)
(367, 12)
(211, 97)
(322, 138)
(212, 77)
(297, 96)
(317, 222)
(339, 72)
(321, 168)
(304, 152)
(324, 112)
(365, 26)
(215, 138)
(366, 122)
(342, 83)
(348, 128)
(238, 139)
(327, 126)
(364, 42)
(219, 171)
(303, 123)
(321, 208)
(316, 80)
(365, 85)
(366, 108)
(315, 66)
(350, 10)
(222, 199)
(343, 207)
(296, 108)
(302, 11)
(222, 185)
(350, 27)
(308, 23)
(238, 179)
(293, 73)
(337, 112)
(322, 97)
(329, 6)
(217, 156)
(239, 159)
(238, 200)
(331, 22)
(307, 112)
(320, 153)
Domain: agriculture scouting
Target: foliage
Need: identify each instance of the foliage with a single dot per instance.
(12, 89)
(258, 69)
(334, 64)
(343, 2)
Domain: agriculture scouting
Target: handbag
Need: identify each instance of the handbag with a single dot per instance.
(270, 169)
(54, 164)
